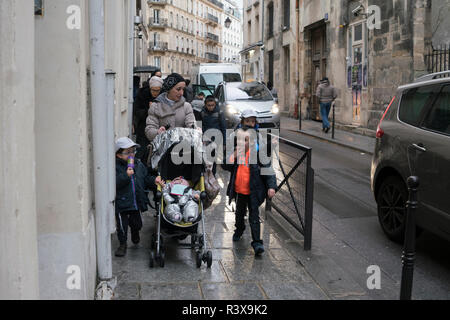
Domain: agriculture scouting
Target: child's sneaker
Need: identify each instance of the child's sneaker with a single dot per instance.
(258, 247)
(121, 251)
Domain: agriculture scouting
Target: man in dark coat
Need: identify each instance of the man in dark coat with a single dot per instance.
(213, 118)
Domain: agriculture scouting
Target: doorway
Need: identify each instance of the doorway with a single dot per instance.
(319, 66)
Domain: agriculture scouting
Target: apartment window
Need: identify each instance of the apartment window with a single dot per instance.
(38, 7)
(157, 61)
(286, 14)
(287, 67)
(249, 34)
(270, 11)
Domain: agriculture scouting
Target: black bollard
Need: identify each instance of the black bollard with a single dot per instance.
(409, 248)
(334, 119)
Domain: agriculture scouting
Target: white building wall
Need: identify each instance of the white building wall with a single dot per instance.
(18, 233)
(66, 231)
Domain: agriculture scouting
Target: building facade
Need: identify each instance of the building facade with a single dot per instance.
(252, 59)
(281, 52)
(183, 33)
(365, 55)
(232, 40)
(48, 212)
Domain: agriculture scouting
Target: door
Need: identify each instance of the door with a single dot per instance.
(357, 70)
(319, 63)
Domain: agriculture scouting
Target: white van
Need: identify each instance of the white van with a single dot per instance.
(212, 74)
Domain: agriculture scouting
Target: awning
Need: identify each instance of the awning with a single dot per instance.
(145, 69)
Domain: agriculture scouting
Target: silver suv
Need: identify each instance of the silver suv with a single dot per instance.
(413, 138)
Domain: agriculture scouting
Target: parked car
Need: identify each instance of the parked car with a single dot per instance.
(235, 97)
(413, 139)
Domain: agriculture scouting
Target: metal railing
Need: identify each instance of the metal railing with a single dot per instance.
(295, 192)
(213, 18)
(212, 56)
(438, 59)
(161, 22)
(212, 36)
(217, 3)
(158, 46)
(162, 2)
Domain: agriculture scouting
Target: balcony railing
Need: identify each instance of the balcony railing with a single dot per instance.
(212, 36)
(157, 2)
(213, 18)
(161, 22)
(158, 46)
(212, 56)
(217, 3)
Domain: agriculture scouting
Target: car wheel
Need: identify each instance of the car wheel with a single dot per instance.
(391, 203)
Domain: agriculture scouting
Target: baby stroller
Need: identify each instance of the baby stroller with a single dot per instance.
(187, 145)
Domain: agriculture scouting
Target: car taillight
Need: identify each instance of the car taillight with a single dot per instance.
(380, 131)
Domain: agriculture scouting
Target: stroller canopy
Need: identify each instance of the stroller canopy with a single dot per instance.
(191, 140)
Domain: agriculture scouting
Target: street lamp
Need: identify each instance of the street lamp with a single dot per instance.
(228, 23)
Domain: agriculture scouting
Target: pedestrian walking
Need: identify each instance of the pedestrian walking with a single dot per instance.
(144, 99)
(247, 186)
(197, 105)
(188, 91)
(326, 94)
(132, 179)
(213, 118)
(170, 108)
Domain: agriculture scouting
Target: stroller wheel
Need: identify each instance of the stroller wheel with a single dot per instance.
(162, 259)
(199, 259)
(152, 259)
(209, 259)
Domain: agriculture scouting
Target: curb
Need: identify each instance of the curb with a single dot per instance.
(332, 141)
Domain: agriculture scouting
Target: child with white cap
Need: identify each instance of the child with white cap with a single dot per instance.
(132, 179)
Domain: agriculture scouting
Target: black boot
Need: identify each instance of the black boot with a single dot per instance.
(121, 251)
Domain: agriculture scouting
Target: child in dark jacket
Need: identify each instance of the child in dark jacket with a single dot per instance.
(247, 185)
(213, 118)
(132, 179)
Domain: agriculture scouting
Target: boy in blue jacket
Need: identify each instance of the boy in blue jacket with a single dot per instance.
(248, 186)
(132, 179)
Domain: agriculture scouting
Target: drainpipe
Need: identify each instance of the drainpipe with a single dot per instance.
(100, 145)
(132, 13)
(262, 48)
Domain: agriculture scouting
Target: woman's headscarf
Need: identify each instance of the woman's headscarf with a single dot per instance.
(171, 81)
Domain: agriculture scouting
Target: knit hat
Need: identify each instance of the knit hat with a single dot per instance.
(171, 81)
(156, 82)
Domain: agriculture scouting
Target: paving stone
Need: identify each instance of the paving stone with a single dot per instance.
(264, 269)
(171, 291)
(293, 291)
(233, 291)
(126, 291)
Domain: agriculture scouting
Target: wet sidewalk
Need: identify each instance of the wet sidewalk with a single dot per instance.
(236, 274)
(359, 139)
